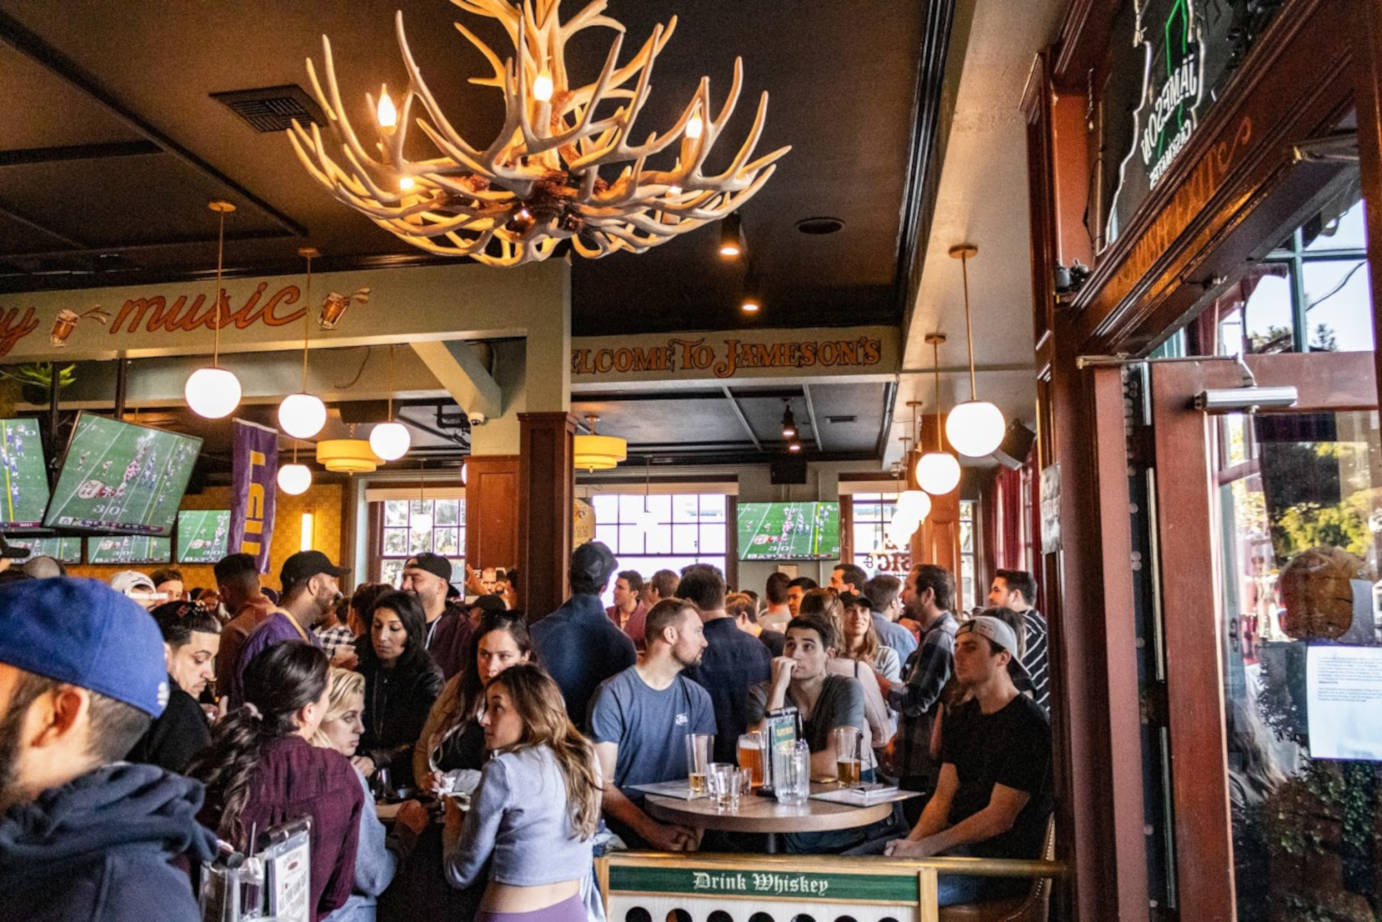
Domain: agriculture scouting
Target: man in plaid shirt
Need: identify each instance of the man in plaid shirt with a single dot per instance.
(929, 595)
(336, 638)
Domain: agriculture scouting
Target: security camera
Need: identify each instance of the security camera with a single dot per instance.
(476, 418)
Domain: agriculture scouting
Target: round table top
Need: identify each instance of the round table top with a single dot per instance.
(764, 814)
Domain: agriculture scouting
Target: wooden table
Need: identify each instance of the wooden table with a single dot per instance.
(766, 815)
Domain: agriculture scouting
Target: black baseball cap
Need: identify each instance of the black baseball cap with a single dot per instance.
(435, 564)
(304, 565)
(489, 603)
(594, 561)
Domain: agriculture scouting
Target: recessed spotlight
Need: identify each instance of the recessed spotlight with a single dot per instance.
(820, 225)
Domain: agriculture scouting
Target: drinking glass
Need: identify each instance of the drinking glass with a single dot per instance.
(698, 757)
(751, 756)
(792, 772)
(725, 784)
(848, 741)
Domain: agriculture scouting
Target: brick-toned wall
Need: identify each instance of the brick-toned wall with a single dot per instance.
(322, 500)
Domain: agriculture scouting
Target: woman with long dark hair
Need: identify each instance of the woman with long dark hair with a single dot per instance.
(260, 770)
(401, 682)
(532, 817)
(452, 738)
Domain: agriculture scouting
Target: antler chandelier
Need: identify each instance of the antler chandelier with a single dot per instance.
(540, 181)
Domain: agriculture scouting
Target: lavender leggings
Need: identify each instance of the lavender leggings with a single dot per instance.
(571, 909)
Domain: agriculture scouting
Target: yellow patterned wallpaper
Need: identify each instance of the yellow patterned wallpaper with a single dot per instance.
(322, 500)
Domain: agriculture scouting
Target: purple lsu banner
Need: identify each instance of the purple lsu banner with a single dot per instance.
(254, 468)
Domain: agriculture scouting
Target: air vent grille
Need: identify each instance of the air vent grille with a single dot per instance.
(272, 108)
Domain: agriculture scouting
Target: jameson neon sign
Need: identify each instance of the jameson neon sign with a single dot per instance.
(1174, 112)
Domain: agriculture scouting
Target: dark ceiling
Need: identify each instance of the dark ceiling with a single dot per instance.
(113, 145)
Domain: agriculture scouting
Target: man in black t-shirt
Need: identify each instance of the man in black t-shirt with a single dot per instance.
(993, 795)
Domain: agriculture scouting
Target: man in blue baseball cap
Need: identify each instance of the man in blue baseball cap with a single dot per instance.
(84, 835)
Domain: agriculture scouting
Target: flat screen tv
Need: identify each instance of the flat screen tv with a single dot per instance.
(123, 478)
(25, 474)
(63, 550)
(789, 531)
(129, 549)
(202, 535)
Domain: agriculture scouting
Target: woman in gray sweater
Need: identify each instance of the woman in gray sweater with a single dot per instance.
(536, 808)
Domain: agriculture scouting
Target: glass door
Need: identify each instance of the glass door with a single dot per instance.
(1270, 528)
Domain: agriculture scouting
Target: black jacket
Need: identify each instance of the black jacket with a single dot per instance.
(176, 735)
(98, 848)
(396, 704)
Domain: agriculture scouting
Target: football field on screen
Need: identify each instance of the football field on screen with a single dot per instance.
(202, 535)
(25, 482)
(788, 531)
(120, 474)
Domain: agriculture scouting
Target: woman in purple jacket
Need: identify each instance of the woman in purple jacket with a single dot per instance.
(260, 770)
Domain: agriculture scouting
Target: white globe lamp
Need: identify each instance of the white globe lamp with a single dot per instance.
(913, 506)
(391, 440)
(212, 392)
(975, 428)
(294, 479)
(301, 415)
(937, 472)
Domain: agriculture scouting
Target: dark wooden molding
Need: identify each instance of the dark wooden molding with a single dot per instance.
(1084, 38)
(1293, 84)
(546, 489)
(491, 510)
(79, 152)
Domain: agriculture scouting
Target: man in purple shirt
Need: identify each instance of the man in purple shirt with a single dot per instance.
(310, 590)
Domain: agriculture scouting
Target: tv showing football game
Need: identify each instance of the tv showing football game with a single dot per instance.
(202, 535)
(129, 549)
(119, 477)
(789, 531)
(63, 550)
(26, 475)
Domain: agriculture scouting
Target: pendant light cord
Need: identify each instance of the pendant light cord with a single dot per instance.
(388, 380)
(969, 330)
(306, 322)
(216, 324)
(936, 367)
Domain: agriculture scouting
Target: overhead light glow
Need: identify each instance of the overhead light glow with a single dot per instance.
(212, 392)
(390, 440)
(302, 415)
(294, 479)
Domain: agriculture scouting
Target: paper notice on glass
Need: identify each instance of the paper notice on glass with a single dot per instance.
(1344, 702)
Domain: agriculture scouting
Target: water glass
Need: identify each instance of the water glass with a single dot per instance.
(698, 757)
(792, 772)
(726, 783)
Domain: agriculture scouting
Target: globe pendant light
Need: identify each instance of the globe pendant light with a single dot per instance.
(294, 479)
(302, 415)
(937, 472)
(976, 426)
(910, 507)
(391, 440)
(915, 504)
(212, 391)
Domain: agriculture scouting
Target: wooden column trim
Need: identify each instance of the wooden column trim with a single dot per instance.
(492, 511)
(1366, 37)
(547, 487)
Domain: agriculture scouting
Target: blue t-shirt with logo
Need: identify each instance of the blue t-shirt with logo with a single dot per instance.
(649, 726)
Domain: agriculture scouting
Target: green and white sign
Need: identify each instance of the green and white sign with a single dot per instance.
(689, 880)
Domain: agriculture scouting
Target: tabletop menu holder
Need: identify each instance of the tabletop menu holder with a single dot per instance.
(781, 725)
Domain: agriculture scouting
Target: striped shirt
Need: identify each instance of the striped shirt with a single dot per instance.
(1035, 659)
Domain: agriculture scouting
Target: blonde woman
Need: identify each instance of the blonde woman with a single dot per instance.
(535, 811)
(380, 852)
(880, 725)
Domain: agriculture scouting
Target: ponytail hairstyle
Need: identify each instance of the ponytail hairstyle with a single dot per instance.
(279, 682)
(539, 704)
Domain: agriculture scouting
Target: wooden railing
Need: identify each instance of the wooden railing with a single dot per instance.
(783, 887)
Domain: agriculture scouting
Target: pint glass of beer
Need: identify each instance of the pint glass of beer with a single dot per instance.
(751, 748)
(699, 748)
(847, 755)
(63, 325)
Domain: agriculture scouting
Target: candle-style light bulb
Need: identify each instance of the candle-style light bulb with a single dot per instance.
(542, 87)
(406, 183)
(695, 127)
(386, 114)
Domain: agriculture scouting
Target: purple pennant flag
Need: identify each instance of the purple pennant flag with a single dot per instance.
(254, 470)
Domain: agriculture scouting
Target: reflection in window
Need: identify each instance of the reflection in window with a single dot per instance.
(968, 591)
(414, 526)
(870, 514)
(1301, 516)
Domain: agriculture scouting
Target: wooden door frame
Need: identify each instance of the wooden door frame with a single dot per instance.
(1190, 575)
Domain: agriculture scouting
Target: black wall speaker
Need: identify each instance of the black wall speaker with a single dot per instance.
(1016, 446)
(789, 470)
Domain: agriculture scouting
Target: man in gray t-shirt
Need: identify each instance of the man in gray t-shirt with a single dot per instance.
(639, 719)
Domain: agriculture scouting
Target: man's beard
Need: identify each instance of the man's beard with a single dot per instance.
(10, 728)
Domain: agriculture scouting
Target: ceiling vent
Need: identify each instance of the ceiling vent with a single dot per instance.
(841, 419)
(820, 225)
(272, 108)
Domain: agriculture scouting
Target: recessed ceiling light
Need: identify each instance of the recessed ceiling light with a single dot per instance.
(820, 225)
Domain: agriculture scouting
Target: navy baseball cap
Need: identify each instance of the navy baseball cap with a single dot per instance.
(84, 633)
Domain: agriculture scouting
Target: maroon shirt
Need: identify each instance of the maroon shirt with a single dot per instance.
(294, 779)
(448, 640)
(635, 626)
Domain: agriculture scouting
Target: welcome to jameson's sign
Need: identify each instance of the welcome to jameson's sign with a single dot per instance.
(725, 355)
